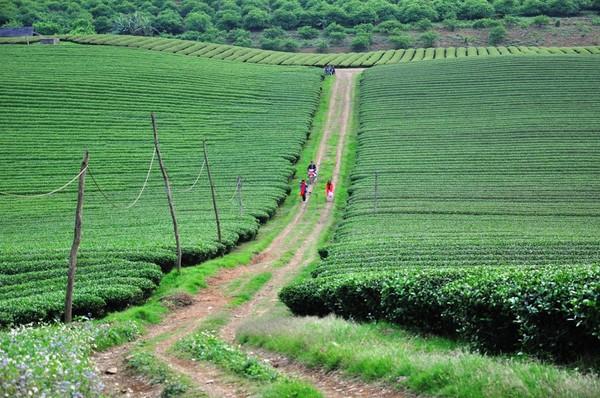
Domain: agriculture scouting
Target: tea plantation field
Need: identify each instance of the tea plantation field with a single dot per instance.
(474, 205)
(57, 101)
(353, 59)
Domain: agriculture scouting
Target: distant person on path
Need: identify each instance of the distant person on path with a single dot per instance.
(329, 190)
(303, 189)
(312, 172)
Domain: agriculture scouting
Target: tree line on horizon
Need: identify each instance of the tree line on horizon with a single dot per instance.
(237, 21)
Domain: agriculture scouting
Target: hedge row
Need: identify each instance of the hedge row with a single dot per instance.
(543, 310)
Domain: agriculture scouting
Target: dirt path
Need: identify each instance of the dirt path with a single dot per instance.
(213, 299)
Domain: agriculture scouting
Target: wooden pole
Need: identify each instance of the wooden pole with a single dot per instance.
(376, 193)
(239, 193)
(212, 191)
(76, 240)
(168, 189)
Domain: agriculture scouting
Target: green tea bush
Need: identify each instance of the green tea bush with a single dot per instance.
(550, 311)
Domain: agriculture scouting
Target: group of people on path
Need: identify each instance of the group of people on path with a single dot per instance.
(312, 174)
(329, 70)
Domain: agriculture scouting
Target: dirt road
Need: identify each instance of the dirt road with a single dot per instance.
(214, 298)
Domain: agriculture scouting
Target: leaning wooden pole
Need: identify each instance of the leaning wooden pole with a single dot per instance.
(76, 240)
(212, 191)
(168, 189)
(239, 193)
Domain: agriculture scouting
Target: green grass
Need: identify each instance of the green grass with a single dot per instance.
(496, 166)
(254, 55)
(204, 346)
(249, 288)
(101, 101)
(146, 364)
(427, 365)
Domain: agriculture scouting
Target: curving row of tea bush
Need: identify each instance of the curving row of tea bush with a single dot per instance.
(473, 206)
(366, 59)
(58, 101)
(500, 309)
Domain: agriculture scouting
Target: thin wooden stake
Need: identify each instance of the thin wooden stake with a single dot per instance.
(239, 193)
(168, 189)
(76, 240)
(212, 191)
(376, 193)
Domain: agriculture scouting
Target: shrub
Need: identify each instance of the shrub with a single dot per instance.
(270, 44)
(334, 28)
(450, 24)
(322, 46)
(541, 21)
(476, 9)
(366, 28)
(390, 27)
(401, 41)
(228, 19)
(497, 35)
(290, 45)
(197, 21)
(308, 32)
(510, 20)
(533, 7)
(595, 21)
(415, 10)
(256, 19)
(168, 21)
(486, 23)
(274, 33)
(361, 42)
(423, 25)
(285, 18)
(337, 37)
(47, 28)
(429, 38)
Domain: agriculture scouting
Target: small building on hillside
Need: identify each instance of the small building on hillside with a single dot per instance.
(49, 40)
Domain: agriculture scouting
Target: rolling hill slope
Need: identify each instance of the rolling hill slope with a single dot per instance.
(58, 101)
(473, 206)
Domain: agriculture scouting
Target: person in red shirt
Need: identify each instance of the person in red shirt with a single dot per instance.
(329, 190)
(303, 188)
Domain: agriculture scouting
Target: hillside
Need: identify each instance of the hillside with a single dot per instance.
(57, 102)
(473, 206)
(353, 59)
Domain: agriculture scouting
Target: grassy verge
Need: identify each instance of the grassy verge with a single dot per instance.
(248, 289)
(429, 365)
(146, 364)
(267, 381)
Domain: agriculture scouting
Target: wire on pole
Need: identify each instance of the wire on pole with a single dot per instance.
(15, 195)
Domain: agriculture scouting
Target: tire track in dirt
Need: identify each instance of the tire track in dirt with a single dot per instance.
(213, 299)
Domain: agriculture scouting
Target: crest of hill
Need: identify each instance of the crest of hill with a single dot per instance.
(358, 59)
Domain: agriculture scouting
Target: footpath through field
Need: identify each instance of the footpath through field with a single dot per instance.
(213, 300)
